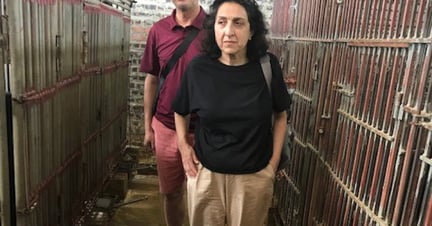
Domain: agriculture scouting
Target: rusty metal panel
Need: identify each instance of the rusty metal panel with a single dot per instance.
(362, 111)
(5, 206)
(70, 94)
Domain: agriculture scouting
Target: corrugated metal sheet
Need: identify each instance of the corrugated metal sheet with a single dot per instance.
(4, 166)
(362, 112)
(69, 66)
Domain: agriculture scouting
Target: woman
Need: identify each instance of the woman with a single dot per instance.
(231, 167)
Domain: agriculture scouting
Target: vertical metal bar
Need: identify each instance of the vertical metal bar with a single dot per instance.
(358, 159)
(299, 61)
(368, 159)
(327, 20)
(355, 29)
(346, 219)
(45, 117)
(421, 85)
(425, 212)
(398, 56)
(321, 10)
(408, 150)
(334, 63)
(314, 16)
(404, 25)
(417, 180)
(364, 18)
(322, 91)
(11, 158)
(380, 88)
(312, 62)
(344, 169)
(389, 171)
(382, 21)
(424, 75)
(301, 5)
(7, 201)
(394, 19)
(17, 69)
(350, 12)
(361, 79)
(375, 120)
(364, 171)
(304, 181)
(277, 13)
(428, 208)
(402, 184)
(343, 18)
(367, 96)
(57, 119)
(341, 147)
(377, 170)
(427, 22)
(372, 20)
(306, 19)
(356, 216)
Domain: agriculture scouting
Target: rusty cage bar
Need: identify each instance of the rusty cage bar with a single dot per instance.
(4, 172)
(4, 156)
(69, 81)
(362, 112)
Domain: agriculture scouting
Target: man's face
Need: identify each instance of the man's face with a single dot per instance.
(185, 5)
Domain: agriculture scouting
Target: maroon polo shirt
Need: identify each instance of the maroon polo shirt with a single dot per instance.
(163, 38)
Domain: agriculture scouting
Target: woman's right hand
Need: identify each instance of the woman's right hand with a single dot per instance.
(189, 159)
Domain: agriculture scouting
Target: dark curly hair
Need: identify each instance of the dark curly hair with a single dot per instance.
(256, 47)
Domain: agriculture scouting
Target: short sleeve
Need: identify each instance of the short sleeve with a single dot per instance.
(150, 59)
(181, 103)
(280, 96)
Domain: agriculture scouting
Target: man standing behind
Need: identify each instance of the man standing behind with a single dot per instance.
(160, 135)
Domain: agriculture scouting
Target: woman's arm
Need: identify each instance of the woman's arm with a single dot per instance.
(279, 128)
(188, 156)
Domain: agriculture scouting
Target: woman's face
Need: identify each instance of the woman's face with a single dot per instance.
(232, 30)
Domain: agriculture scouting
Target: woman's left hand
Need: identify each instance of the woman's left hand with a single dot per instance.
(274, 165)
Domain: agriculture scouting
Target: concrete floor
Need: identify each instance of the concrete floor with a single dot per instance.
(143, 185)
(147, 212)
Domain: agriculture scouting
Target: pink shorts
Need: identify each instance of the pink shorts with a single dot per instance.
(169, 164)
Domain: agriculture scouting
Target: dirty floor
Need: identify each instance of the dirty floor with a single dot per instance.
(147, 211)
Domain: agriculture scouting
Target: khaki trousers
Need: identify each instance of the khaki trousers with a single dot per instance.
(216, 199)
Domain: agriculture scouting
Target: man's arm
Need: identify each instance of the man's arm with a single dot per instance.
(150, 88)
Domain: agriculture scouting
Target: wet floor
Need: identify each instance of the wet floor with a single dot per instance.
(147, 211)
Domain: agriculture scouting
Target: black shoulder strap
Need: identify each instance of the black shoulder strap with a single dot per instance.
(179, 51)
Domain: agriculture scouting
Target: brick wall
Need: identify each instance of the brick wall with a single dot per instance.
(144, 14)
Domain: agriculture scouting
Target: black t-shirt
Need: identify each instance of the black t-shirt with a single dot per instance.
(233, 133)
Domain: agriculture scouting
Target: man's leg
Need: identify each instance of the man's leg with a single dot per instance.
(170, 172)
(174, 206)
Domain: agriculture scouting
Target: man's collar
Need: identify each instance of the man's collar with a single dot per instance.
(197, 22)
